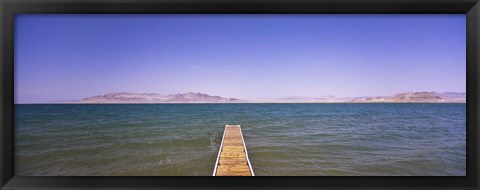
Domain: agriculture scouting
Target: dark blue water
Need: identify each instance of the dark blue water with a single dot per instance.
(282, 139)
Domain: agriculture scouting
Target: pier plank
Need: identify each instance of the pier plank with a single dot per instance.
(232, 157)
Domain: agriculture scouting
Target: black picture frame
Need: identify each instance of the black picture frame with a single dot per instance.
(9, 8)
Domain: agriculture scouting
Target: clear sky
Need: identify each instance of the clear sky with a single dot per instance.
(70, 57)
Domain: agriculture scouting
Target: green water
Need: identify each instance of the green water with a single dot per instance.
(282, 139)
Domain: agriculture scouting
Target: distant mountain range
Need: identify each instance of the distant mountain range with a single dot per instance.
(123, 97)
(452, 97)
(191, 97)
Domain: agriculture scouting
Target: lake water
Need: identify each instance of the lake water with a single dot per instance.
(282, 139)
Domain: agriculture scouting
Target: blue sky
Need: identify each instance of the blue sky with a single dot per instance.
(70, 57)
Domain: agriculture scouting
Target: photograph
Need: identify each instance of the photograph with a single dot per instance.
(240, 95)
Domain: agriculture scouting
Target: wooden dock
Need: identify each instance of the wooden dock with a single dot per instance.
(232, 157)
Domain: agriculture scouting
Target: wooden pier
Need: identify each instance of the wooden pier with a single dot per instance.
(232, 157)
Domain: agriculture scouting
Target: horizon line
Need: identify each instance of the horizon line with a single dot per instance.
(248, 100)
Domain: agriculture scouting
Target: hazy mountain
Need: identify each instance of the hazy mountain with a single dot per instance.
(302, 98)
(429, 97)
(453, 95)
(123, 97)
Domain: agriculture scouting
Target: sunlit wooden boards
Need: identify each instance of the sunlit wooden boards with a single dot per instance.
(232, 157)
